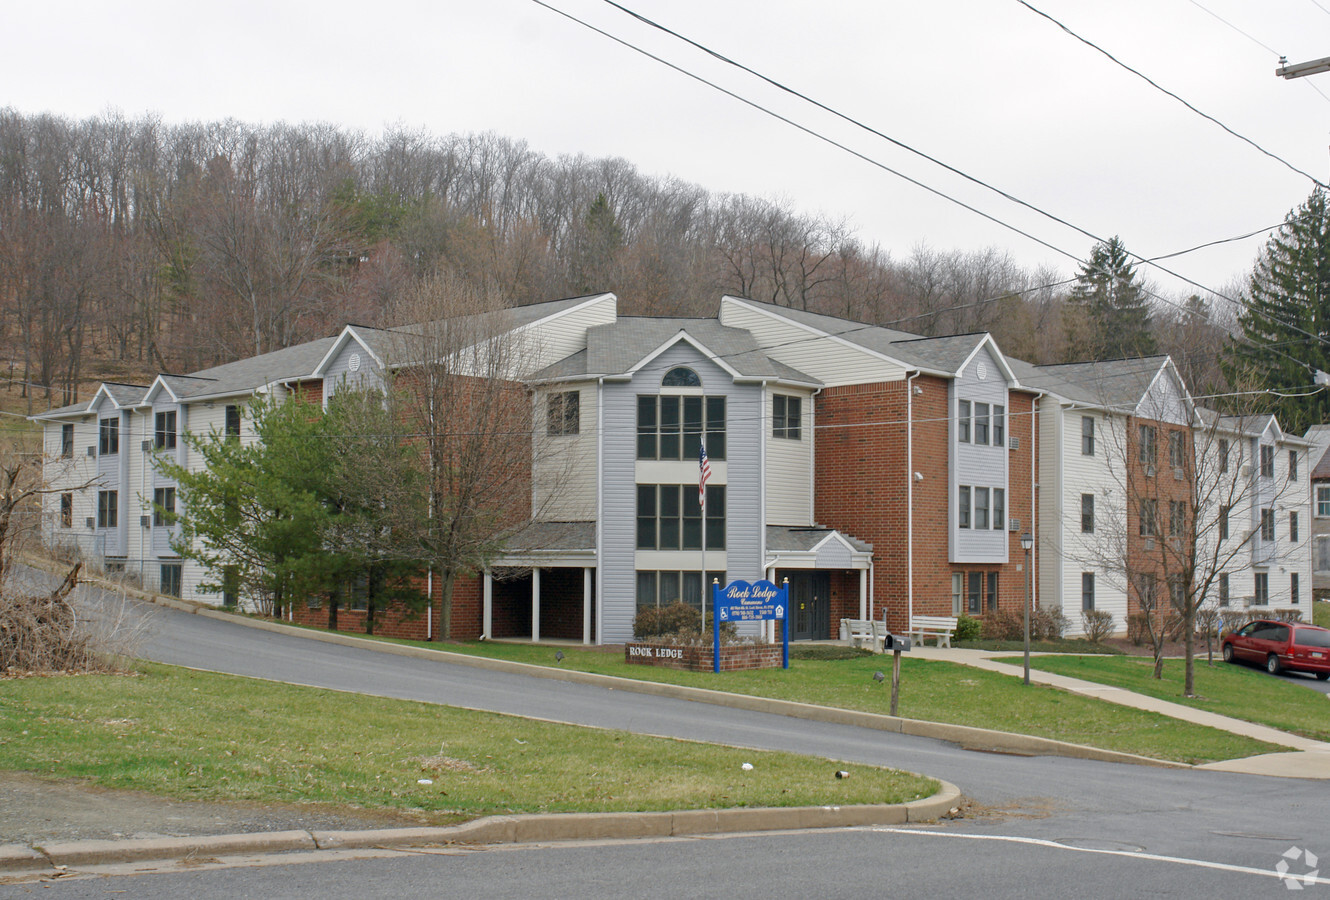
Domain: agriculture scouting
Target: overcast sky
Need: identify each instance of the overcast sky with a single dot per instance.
(987, 86)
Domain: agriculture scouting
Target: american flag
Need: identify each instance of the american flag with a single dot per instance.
(704, 472)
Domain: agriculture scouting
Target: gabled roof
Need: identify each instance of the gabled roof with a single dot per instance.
(1118, 384)
(630, 342)
(793, 539)
(1321, 471)
(946, 355)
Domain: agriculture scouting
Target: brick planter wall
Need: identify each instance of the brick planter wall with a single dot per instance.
(733, 658)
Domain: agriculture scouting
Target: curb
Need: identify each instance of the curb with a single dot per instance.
(523, 829)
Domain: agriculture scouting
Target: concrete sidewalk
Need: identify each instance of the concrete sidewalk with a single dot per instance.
(1311, 759)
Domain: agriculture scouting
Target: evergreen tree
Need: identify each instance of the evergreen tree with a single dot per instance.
(598, 249)
(1118, 315)
(1286, 318)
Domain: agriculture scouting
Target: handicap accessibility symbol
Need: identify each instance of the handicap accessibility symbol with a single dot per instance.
(780, 612)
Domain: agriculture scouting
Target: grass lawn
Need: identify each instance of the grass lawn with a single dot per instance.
(933, 691)
(1321, 614)
(199, 736)
(1231, 690)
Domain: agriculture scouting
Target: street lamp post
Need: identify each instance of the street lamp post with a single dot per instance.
(1027, 542)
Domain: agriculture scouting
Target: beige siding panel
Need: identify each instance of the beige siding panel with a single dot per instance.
(788, 477)
(564, 484)
(832, 361)
(561, 336)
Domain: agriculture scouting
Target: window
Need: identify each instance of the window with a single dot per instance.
(108, 509)
(655, 589)
(67, 441)
(1293, 526)
(1294, 592)
(1267, 462)
(1292, 465)
(1262, 597)
(1146, 586)
(963, 421)
(999, 425)
(1087, 513)
(672, 427)
(981, 507)
(108, 436)
(670, 518)
(999, 509)
(171, 579)
(1223, 523)
(973, 592)
(66, 510)
(1149, 518)
(964, 509)
(231, 586)
(1087, 591)
(1223, 454)
(1323, 553)
(681, 376)
(957, 593)
(563, 413)
(975, 595)
(785, 417)
(1087, 435)
(1177, 517)
(163, 506)
(1177, 446)
(981, 423)
(165, 430)
(1146, 445)
(1223, 589)
(233, 422)
(1267, 524)
(992, 597)
(1177, 592)
(1323, 500)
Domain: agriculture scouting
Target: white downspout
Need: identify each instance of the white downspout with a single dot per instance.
(1035, 445)
(909, 498)
(600, 511)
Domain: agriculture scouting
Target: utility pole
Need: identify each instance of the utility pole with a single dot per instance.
(1298, 70)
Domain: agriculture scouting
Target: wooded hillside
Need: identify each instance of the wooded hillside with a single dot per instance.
(133, 246)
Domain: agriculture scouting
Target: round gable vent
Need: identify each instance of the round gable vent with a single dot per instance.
(981, 370)
(354, 363)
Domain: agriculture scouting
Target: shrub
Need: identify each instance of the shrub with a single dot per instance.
(1003, 625)
(1287, 615)
(678, 623)
(968, 628)
(1047, 625)
(1232, 619)
(1097, 624)
(1138, 628)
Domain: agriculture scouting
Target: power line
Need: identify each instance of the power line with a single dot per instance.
(1169, 93)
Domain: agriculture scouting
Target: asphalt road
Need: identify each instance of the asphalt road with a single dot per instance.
(1040, 826)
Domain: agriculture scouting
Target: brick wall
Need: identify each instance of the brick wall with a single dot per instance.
(864, 483)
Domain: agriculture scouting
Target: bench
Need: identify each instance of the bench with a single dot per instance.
(940, 627)
(863, 631)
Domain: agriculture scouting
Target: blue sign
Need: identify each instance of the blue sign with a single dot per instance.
(760, 601)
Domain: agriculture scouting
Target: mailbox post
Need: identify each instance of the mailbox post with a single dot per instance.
(897, 644)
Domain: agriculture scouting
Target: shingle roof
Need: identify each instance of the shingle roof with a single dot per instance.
(1321, 470)
(617, 347)
(1115, 383)
(247, 374)
(786, 538)
(553, 536)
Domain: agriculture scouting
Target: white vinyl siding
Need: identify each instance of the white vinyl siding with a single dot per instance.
(789, 473)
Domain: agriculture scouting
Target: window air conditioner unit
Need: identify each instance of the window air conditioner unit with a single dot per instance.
(147, 446)
(1177, 473)
(1013, 524)
(1176, 544)
(90, 522)
(1014, 443)
(145, 521)
(1149, 543)
(1245, 470)
(1149, 471)
(92, 451)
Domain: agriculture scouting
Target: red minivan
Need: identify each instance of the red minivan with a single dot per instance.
(1281, 645)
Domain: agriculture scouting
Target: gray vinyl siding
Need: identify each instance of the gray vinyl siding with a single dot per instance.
(113, 475)
(337, 373)
(618, 525)
(979, 465)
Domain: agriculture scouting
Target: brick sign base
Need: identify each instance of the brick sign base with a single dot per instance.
(733, 658)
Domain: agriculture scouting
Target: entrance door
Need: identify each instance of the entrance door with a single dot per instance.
(810, 605)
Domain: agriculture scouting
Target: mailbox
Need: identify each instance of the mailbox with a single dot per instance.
(896, 643)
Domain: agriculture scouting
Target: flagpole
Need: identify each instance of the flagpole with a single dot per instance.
(703, 471)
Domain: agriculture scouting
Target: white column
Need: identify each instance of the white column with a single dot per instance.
(863, 593)
(487, 623)
(586, 605)
(535, 603)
